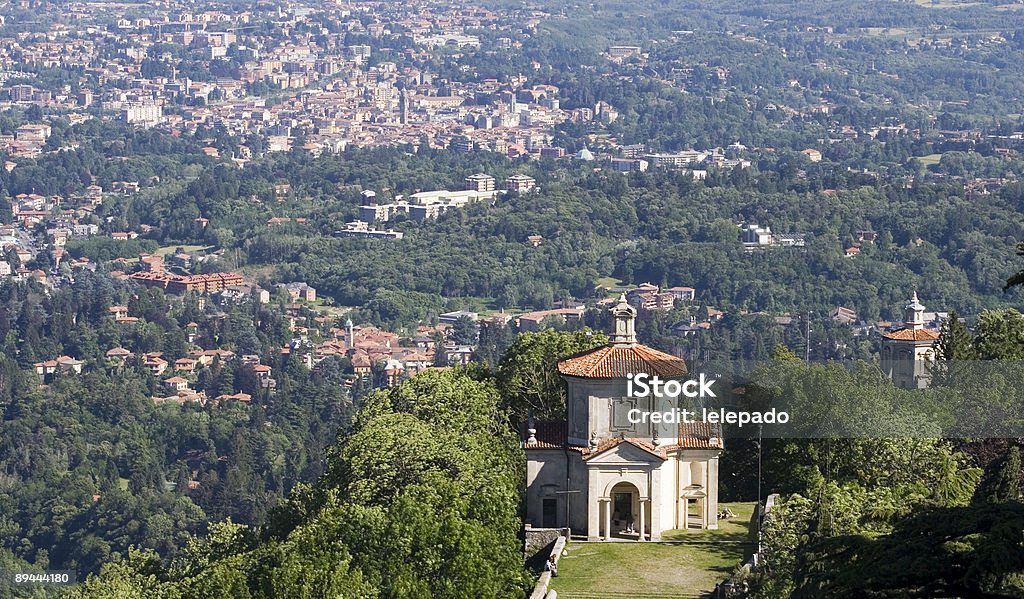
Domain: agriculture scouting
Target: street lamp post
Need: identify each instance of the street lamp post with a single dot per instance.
(760, 513)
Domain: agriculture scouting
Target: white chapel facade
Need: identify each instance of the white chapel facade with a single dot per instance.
(601, 475)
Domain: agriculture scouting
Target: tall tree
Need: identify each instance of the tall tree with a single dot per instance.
(528, 374)
(1018, 277)
(955, 341)
(1002, 480)
(1000, 335)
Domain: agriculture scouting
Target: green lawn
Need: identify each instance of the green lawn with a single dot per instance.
(686, 568)
(166, 251)
(608, 282)
(643, 570)
(732, 529)
(930, 159)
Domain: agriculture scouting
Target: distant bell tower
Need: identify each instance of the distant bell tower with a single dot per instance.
(908, 350)
(625, 323)
(403, 107)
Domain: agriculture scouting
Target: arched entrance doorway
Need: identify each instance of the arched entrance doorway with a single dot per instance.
(625, 514)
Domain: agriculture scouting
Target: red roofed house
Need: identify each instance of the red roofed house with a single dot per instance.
(361, 363)
(154, 363)
(683, 294)
(176, 384)
(262, 373)
(48, 369)
(117, 356)
(534, 321)
(908, 350)
(623, 477)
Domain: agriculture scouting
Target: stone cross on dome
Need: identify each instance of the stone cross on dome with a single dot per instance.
(625, 323)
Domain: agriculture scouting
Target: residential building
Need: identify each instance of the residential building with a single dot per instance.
(628, 165)
(755, 234)
(534, 321)
(360, 228)
(142, 114)
(48, 369)
(621, 52)
(480, 182)
(300, 291)
(649, 298)
(677, 160)
(683, 294)
(812, 154)
(520, 183)
(182, 284)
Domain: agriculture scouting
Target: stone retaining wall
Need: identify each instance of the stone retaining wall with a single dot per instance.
(540, 590)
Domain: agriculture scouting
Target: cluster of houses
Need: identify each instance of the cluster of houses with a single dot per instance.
(64, 218)
(176, 377)
(27, 140)
(327, 85)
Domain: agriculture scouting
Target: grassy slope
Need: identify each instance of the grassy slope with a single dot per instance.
(645, 570)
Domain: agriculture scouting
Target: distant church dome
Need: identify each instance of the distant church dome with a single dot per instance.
(585, 154)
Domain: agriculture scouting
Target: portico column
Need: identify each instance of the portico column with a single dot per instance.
(593, 518)
(643, 520)
(607, 519)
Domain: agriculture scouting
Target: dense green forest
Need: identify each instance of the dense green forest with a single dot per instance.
(92, 466)
(894, 512)
(420, 500)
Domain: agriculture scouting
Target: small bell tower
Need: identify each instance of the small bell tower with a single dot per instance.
(625, 324)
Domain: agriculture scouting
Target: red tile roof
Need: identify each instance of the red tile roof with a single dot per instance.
(549, 435)
(611, 362)
(911, 335)
(699, 435)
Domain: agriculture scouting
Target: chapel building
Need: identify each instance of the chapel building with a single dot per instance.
(600, 474)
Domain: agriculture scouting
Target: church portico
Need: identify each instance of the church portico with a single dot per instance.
(622, 478)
